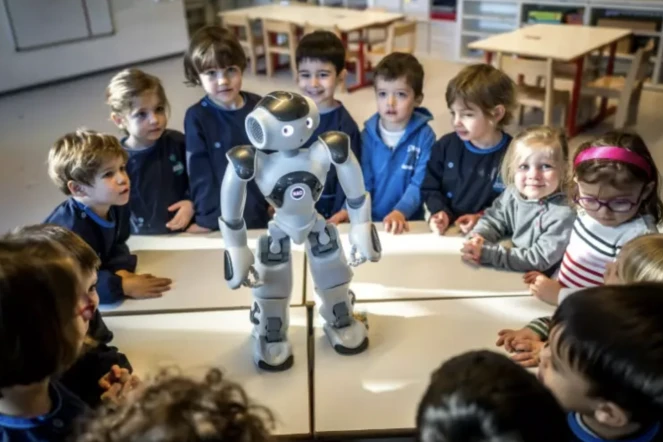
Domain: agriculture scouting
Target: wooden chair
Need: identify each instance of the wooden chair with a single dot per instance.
(252, 44)
(626, 90)
(395, 33)
(373, 35)
(272, 29)
(533, 95)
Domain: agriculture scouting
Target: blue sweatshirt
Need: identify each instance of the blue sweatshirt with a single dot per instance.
(333, 197)
(158, 180)
(582, 433)
(106, 237)
(56, 426)
(462, 179)
(210, 133)
(394, 176)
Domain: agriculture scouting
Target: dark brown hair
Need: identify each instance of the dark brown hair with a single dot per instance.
(617, 173)
(485, 87)
(212, 47)
(39, 286)
(397, 65)
(177, 408)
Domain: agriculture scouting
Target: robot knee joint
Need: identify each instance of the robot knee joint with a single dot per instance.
(318, 249)
(267, 257)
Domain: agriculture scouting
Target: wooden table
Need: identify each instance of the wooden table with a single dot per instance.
(345, 19)
(194, 342)
(422, 265)
(378, 391)
(557, 43)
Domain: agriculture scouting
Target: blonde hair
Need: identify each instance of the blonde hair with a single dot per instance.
(536, 138)
(129, 84)
(78, 156)
(641, 259)
(485, 87)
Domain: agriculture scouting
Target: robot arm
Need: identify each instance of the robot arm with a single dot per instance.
(363, 235)
(238, 259)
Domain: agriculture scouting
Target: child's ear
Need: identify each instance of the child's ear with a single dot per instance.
(610, 414)
(118, 120)
(76, 189)
(647, 190)
(340, 78)
(418, 100)
(498, 113)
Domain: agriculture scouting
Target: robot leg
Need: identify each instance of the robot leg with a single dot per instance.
(332, 275)
(269, 314)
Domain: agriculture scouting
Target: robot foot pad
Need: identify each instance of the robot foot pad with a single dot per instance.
(286, 365)
(350, 340)
(272, 356)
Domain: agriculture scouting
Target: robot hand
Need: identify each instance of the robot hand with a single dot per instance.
(238, 265)
(365, 244)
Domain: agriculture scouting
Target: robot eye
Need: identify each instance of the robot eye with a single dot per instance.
(309, 122)
(288, 130)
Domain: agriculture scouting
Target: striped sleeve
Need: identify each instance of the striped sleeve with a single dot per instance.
(541, 326)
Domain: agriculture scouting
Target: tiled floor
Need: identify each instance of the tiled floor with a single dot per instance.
(30, 121)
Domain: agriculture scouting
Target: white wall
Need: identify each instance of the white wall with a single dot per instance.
(144, 29)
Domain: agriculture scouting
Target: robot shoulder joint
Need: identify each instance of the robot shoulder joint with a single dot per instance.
(338, 145)
(243, 160)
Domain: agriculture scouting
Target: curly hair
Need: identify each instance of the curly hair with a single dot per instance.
(177, 409)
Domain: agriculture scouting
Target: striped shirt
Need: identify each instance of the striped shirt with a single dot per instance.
(592, 246)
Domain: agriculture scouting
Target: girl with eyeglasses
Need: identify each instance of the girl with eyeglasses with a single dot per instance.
(615, 184)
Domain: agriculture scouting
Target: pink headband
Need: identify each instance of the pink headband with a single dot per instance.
(613, 153)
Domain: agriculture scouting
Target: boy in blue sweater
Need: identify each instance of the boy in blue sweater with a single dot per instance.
(89, 167)
(396, 142)
(216, 61)
(320, 59)
(462, 177)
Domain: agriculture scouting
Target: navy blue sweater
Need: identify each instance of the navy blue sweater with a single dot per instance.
(581, 433)
(106, 237)
(56, 426)
(333, 197)
(461, 178)
(158, 180)
(210, 133)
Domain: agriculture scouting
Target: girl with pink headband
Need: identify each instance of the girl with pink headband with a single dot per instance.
(615, 185)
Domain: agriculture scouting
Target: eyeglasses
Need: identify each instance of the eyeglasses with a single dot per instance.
(617, 205)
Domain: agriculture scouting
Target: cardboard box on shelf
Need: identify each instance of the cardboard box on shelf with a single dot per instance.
(625, 45)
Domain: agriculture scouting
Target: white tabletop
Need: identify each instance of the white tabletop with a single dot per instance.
(422, 265)
(557, 42)
(194, 342)
(198, 282)
(323, 16)
(379, 390)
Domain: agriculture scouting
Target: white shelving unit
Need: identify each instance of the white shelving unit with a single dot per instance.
(477, 19)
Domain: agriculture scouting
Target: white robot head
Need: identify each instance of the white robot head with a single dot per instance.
(282, 121)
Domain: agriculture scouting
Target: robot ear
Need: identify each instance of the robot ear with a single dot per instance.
(256, 131)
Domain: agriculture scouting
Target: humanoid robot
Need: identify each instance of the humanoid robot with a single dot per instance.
(292, 180)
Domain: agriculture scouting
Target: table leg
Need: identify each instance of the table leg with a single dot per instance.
(498, 60)
(362, 81)
(571, 128)
(609, 70)
(488, 57)
(548, 100)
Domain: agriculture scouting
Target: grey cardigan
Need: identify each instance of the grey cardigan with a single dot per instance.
(539, 231)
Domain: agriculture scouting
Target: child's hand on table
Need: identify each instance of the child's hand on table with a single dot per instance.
(143, 286)
(339, 217)
(183, 216)
(467, 222)
(117, 384)
(195, 228)
(472, 249)
(507, 337)
(439, 222)
(527, 352)
(546, 289)
(395, 223)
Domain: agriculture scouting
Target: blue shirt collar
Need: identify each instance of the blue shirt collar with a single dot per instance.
(472, 148)
(106, 223)
(24, 423)
(223, 109)
(584, 434)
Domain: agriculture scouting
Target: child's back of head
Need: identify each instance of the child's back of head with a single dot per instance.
(177, 408)
(641, 259)
(482, 396)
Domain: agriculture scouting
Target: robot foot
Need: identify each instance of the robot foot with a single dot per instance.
(349, 340)
(272, 356)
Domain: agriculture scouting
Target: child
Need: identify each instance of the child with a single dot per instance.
(98, 360)
(640, 260)
(604, 363)
(44, 312)
(396, 142)
(89, 168)
(320, 59)
(616, 186)
(462, 176)
(216, 61)
(532, 211)
(159, 196)
(176, 408)
(483, 396)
